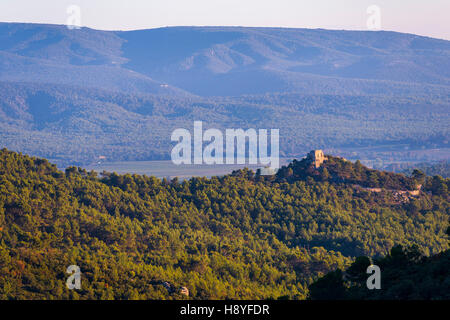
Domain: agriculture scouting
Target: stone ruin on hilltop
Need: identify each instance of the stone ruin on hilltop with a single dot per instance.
(316, 157)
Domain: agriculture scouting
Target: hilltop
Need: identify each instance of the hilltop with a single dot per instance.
(339, 170)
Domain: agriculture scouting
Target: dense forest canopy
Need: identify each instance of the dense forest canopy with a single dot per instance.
(441, 168)
(238, 236)
(339, 170)
(406, 274)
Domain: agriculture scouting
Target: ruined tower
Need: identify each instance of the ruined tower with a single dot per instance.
(317, 157)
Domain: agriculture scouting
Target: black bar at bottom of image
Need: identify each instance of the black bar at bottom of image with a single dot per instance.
(229, 309)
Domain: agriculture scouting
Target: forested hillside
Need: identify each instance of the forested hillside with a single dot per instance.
(406, 274)
(73, 125)
(441, 168)
(238, 236)
(339, 170)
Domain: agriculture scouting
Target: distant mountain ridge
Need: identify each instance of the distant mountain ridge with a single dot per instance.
(55, 54)
(221, 60)
(73, 95)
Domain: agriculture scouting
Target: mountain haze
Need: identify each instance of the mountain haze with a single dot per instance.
(221, 60)
(72, 95)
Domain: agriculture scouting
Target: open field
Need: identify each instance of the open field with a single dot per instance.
(165, 168)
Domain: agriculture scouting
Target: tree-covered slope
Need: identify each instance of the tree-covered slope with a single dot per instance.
(339, 170)
(74, 125)
(405, 275)
(441, 168)
(238, 236)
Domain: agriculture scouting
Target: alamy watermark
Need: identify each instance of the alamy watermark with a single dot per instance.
(235, 147)
(374, 281)
(74, 280)
(374, 19)
(74, 18)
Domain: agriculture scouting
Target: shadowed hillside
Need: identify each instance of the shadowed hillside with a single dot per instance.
(232, 60)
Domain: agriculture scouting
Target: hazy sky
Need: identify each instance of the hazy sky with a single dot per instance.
(424, 17)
